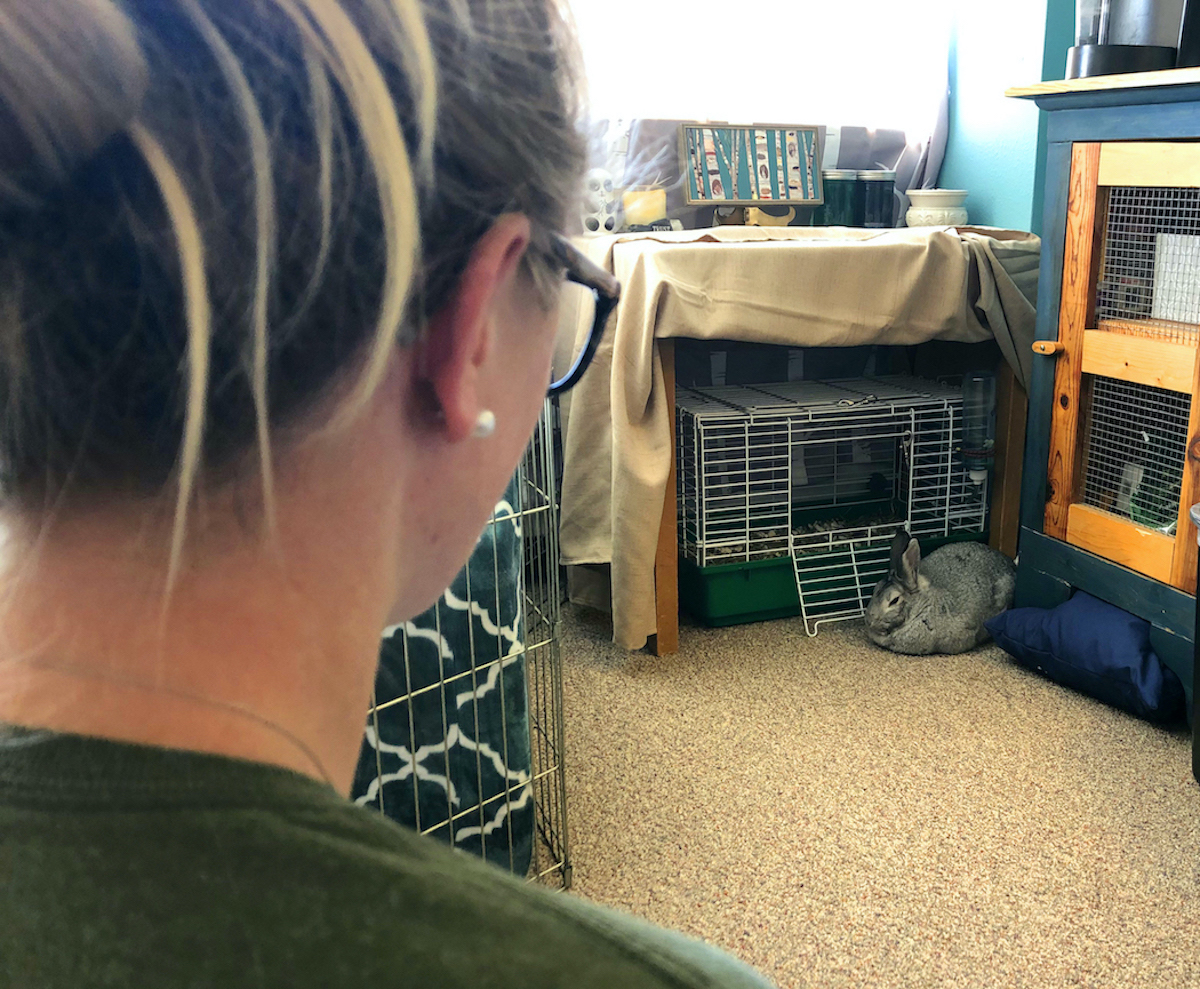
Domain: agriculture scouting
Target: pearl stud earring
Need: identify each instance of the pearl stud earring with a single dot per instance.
(485, 425)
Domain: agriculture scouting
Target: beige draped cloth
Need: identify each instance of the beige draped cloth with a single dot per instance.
(797, 286)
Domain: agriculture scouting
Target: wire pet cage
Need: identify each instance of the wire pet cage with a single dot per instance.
(464, 738)
(823, 473)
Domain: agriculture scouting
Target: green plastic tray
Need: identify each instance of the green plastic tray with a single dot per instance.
(740, 593)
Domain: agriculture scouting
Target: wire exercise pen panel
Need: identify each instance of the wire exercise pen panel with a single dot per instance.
(464, 740)
(1136, 450)
(542, 595)
(1149, 281)
(823, 472)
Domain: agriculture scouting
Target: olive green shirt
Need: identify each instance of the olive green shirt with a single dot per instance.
(132, 866)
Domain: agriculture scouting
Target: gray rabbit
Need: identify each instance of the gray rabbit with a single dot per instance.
(938, 605)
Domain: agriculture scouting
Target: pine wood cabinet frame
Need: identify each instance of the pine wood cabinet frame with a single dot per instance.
(1084, 350)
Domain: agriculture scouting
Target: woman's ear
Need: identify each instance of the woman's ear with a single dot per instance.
(460, 336)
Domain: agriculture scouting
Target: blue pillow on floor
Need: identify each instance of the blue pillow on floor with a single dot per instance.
(1094, 648)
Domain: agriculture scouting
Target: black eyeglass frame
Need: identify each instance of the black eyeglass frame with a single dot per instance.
(579, 269)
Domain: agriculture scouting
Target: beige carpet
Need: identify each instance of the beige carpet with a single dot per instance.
(840, 816)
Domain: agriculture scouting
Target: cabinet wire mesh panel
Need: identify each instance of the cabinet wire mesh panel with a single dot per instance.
(1135, 453)
(1148, 286)
(464, 739)
(822, 472)
(1149, 283)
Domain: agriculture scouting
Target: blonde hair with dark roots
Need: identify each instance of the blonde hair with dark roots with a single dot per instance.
(209, 209)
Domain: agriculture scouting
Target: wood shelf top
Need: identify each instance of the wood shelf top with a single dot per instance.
(1092, 84)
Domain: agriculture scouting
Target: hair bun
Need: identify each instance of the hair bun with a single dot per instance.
(72, 74)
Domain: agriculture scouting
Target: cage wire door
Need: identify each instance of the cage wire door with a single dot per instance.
(1125, 435)
(823, 473)
(464, 738)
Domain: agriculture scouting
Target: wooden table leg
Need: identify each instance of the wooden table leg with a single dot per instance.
(1012, 407)
(666, 560)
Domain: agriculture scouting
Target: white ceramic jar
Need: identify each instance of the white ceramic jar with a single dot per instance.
(936, 208)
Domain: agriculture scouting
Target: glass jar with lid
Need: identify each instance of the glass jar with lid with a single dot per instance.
(841, 207)
(879, 201)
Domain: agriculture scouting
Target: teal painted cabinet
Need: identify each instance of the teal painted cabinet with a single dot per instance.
(1112, 453)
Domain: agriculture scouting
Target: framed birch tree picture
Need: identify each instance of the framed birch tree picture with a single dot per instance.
(751, 165)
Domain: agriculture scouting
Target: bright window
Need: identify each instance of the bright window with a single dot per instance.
(866, 63)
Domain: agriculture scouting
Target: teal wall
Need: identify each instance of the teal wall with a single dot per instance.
(993, 146)
(1060, 35)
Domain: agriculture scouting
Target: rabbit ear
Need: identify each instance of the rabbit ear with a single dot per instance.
(910, 561)
(900, 543)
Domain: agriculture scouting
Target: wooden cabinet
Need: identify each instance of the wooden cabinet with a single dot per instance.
(1121, 473)
(1112, 457)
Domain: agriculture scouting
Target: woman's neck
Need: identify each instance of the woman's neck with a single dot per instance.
(265, 648)
(261, 655)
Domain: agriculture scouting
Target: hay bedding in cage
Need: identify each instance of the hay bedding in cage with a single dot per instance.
(816, 536)
(806, 539)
